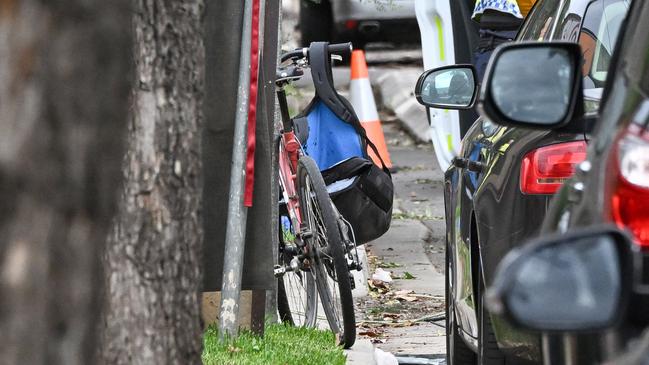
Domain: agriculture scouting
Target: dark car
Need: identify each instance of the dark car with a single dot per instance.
(612, 185)
(499, 187)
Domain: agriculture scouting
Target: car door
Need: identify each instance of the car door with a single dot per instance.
(468, 170)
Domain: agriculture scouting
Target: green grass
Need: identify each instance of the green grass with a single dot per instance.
(281, 345)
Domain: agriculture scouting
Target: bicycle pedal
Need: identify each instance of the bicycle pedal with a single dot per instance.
(279, 271)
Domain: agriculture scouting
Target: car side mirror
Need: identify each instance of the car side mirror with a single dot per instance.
(448, 87)
(577, 282)
(533, 85)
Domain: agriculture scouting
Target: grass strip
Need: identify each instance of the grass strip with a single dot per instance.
(281, 345)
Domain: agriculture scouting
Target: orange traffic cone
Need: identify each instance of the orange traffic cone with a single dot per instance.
(362, 100)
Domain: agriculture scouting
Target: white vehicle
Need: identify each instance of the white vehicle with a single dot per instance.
(434, 18)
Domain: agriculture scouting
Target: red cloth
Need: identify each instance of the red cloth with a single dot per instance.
(252, 107)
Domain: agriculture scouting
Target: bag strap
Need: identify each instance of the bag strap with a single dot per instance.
(320, 61)
(346, 169)
(376, 152)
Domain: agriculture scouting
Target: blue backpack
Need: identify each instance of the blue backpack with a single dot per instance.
(331, 134)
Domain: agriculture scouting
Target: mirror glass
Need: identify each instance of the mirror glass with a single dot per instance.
(451, 87)
(574, 285)
(533, 84)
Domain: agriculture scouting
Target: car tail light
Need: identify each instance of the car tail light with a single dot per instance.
(545, 169)
(351, 24)
(628, 183)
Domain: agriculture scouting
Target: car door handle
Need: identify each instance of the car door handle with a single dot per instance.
(465, 163)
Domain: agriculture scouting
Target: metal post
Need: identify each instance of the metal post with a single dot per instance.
(271, 298)
(237, 214)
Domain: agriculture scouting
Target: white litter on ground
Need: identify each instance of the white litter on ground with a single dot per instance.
(382, 275)
(384, 358)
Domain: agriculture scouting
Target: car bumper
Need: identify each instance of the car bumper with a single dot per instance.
(344, 10)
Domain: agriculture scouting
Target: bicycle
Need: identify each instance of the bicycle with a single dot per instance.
(314, 244)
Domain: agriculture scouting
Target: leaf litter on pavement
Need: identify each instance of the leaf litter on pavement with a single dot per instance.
(386, 307)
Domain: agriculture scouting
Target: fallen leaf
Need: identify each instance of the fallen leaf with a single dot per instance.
(370, 333)
(407, 298)
(408, 276)
(388, 265)
(404, 292)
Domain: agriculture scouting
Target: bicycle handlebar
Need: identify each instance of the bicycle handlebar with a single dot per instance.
(341, 49)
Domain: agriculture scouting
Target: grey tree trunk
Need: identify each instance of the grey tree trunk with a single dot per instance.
(154, 253)
(64, 89)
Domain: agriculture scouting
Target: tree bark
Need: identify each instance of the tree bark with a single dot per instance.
(154, 254)
(64, 88)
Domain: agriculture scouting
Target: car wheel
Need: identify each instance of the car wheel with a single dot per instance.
(457, 352)
(316, 21)
(488, 351)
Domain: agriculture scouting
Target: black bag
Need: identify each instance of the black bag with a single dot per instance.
(366, 198)
(367, 202)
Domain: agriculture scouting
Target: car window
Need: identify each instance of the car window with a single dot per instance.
(540, 21)
(597, 38)
(569, 21)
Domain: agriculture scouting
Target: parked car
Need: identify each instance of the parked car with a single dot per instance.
(612, 185)
(358, 21)
(594, 267)
(499, 187)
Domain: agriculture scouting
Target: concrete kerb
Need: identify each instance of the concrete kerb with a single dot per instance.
(363, 351)
(396, 90)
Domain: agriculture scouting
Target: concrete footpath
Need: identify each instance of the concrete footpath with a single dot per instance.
(395, 317)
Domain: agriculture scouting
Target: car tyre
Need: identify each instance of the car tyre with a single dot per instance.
(316, 21)
(488, 351)
(457, 352)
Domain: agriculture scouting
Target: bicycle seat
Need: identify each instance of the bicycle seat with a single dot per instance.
(288, 74)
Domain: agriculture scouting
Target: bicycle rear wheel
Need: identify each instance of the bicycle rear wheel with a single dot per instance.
(297, 296)
(333, 280)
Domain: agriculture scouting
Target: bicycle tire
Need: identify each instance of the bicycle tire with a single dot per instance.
(330, 264)
(297, 299)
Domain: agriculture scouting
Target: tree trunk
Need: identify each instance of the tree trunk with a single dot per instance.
(154, 254)
(64, 88)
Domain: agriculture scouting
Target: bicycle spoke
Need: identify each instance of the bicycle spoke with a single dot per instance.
(327, 276)
(326, 252)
